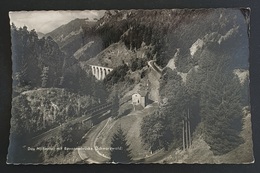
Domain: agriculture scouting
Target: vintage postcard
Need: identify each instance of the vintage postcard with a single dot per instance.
(130, 86)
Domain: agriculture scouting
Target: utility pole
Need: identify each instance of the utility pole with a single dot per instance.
(186, 133)
(183, 135)
(189, 127)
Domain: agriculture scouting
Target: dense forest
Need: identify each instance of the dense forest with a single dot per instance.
(49, 88)
(40, 63)
(210, 93)
(202, 57)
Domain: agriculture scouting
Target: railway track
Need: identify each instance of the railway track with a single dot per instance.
(90, 114)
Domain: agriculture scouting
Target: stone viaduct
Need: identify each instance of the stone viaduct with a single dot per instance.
(100, 72)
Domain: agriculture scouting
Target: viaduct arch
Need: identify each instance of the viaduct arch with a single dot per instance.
(100, 72)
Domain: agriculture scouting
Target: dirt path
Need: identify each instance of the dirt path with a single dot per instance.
(131, 125)
(154, 79)
(90, 155)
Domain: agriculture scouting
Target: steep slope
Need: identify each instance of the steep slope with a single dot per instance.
(39, 63)
(200, 47)
(113, 56)
(36, 62)
(133, 37)
(70, 37)
(203, 57)
(37, 111)
(168, 30)
(58, 106)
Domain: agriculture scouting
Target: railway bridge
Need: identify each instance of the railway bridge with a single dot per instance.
(100, 72)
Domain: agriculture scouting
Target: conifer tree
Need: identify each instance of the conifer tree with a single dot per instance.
(153, 130)
(220, 101)
(221, 111)
(120, 152)
(162, 129)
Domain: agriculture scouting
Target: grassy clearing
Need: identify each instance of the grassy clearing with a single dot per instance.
(131, 125)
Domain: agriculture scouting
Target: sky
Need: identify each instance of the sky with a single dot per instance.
(47, 21)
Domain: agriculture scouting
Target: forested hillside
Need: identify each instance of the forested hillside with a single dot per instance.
(40, 63)
(166, 30)
(33, 58)
(77, 39)
(49, 89)
(192, 64)
(205, 48)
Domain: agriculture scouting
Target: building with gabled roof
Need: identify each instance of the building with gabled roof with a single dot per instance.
(139, 100)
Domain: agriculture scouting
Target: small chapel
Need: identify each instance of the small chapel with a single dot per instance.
(140, 99)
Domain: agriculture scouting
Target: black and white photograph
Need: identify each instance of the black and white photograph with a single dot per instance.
(134, 86)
